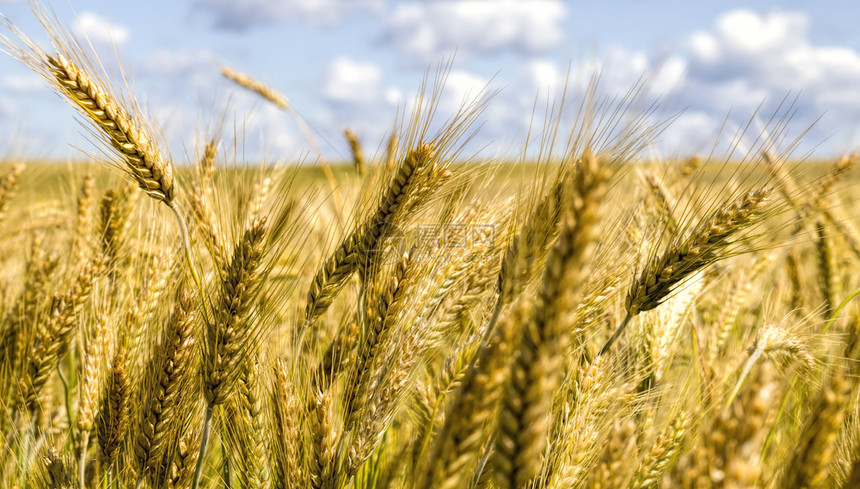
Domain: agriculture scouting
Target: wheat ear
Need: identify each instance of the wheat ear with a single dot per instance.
(53, 471)
(538, 364)
(89, 390)
(473, 410)
(706, 244)
(527, 250)
(826, 279)
(8, 186)
(53, 338)
(249, 426)
(256, 86)
(227, 335)
(127, 136)
(168, 372)
(664, 200)
(82, 218)
(115, 209)
(357, 153)
(231, 329)
(360, 248)
(817, 445)
(287, 442)
(663, 454)
(113, 416)
(280, 101)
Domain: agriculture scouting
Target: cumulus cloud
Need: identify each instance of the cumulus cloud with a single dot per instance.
(748, 58)
(356, 95)
(183, 69)
(242, 15)
(544, 75)
(744, 62)
(744, 58)
(431, 29)
(352, 82)
(24, 83)
(461, 87)
(100, 30)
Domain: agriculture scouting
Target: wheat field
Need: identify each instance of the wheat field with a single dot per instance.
(579, 316)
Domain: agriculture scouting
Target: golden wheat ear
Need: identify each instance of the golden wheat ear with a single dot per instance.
(709, 242)
(265, 91)
(357, 153)
(538, 364)
(8, 186)
(113, 416)
(415, 178)
(168, 372)
(130, 138)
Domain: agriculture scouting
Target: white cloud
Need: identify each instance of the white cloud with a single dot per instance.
(544, 75)
(25, 83)
(691, 132)
(668, 75)
(744, 63)
(742, 59)
(744, 31)
(461, 87)
(356, 96)
(98, 29)
(182, 69)
(350, 81)
(242, 15)
(431, 29)
(748, 58)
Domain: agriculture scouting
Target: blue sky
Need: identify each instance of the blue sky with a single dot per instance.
(352, 63)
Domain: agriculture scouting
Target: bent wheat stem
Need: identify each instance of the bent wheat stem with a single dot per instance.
(186, 244)
(82, 468)
(615, 335)
(204, 442)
